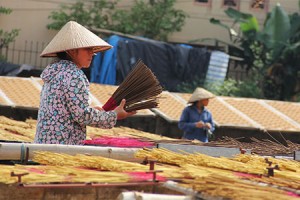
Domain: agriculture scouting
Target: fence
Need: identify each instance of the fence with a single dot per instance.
(237, 71)
(29, 54)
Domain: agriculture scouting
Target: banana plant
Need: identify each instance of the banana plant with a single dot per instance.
(243, 32)
(283, 31)
(275, 44)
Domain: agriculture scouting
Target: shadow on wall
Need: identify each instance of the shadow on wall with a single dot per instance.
(20, 114)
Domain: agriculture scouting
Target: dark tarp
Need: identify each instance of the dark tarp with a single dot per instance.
(7, 68)
(172, 64)
(24, 70)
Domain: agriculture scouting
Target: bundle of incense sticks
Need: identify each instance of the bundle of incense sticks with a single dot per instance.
(140, 88)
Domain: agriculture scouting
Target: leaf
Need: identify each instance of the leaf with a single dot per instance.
(250, 25)
(5, 10)
(218, 22)
(295, 24)
(237, 15)
(278, 25)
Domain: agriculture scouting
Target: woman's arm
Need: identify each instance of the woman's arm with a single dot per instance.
(77, 97)
(184, 121)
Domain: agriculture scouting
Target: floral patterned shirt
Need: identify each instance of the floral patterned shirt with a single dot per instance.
(64, 106)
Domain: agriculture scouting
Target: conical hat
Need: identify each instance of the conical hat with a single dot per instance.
(74, 36)
(200, 94)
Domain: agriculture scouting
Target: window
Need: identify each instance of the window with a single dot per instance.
(203, 2)
(231, 3)
(259, 4)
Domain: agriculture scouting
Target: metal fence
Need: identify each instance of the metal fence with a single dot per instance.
(29, 53)
(237, 71)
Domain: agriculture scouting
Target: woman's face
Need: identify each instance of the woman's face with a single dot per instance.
(82, 57)
(203, 102)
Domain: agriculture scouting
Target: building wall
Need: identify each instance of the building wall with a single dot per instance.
(198, 26)
(31, 17)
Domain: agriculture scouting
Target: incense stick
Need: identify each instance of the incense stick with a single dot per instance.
(140, 88)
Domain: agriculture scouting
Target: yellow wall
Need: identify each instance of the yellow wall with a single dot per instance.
(31, 16)
(198, 25)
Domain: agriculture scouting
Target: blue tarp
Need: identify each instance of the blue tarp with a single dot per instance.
(103, 67)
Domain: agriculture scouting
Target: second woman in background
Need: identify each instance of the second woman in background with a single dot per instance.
(196, 120)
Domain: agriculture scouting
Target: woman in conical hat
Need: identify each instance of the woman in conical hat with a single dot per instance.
(196, 120)
(64, 109)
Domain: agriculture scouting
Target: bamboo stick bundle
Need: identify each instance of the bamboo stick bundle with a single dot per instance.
(162, 155)
(195, 171)
(250, 164)
(140, 89)
(80, 160)
(216, 185)
(167, 156)
(30, 177)
(200, 171)
(32, 122)
(278, 181)
(283, 179)
(29, 133)
(142, 134)
(7, 135)
(8, 121)
(257, 146)
(225, 163)
(101, 163)
(55, 174)
(74, 174)
(93, 132)
(293, 176)
(5, 176)
(284, 164)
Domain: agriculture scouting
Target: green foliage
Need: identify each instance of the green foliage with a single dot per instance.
(155, 19)
(7, 37)
(276, 43)
(189, 86)
(230, 87)
(89, 13)
(277, 26)
(5, 10)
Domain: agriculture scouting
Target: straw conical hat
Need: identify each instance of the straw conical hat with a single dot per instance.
(74, 36)
(200, 94)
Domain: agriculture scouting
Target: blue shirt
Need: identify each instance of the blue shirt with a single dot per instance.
(190, 115)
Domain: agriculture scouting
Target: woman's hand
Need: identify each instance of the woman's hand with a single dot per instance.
(207, 125)
(199, 124)
(98, 108)
(121, 113)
